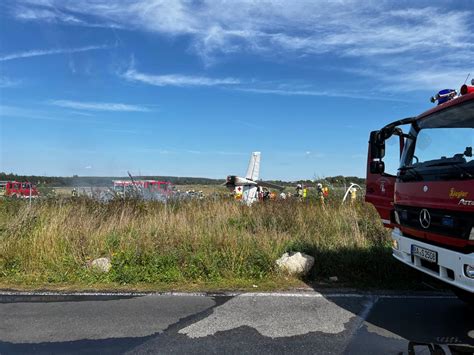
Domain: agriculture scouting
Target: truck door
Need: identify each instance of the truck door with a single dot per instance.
(380, 182)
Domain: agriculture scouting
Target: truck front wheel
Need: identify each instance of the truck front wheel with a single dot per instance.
(464, 296)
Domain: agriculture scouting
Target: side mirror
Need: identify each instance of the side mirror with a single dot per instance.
(377, 146)
(377, 167)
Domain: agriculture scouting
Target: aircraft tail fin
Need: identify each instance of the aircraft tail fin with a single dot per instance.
(253, 171)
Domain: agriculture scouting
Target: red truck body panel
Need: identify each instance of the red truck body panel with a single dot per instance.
(447, 195)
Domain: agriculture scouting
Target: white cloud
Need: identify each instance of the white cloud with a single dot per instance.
(396, 40)
(176, 79)
(43, 52)
(250, 86)
(230, 153)
(426, 78)
(98, 106)
(353, 28)
(296, 91)
(55, 15)
(259, 87)
(8, 83)
(252, 124)
(124, 131)
(35, 114)
(309, 154)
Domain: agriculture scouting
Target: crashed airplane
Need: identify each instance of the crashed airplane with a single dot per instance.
(248, 187)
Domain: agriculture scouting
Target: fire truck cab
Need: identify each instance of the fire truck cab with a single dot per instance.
(16, 189)
(429, 203)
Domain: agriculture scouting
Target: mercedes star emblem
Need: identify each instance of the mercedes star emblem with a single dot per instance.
(425, 218)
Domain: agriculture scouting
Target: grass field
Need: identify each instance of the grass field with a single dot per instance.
(191, 245)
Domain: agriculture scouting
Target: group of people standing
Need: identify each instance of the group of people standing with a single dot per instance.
(321, 191)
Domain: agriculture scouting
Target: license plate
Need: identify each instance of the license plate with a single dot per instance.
(423, 253)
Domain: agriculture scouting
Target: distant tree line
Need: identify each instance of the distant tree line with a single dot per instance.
(103, 181)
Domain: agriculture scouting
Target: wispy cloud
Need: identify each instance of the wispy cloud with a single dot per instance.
(43, 52)
(252, 86)
(8, 83)
(161, 151)
(295, 91)
(395, 39)
(55, 15)
(425, 77)
(253, 125)
(99, 106)
(219, 152)
(125, 131)
(230, 153)
(353, 28)
(80, 113)
(187, 151)
(177, 79)
(7, 111)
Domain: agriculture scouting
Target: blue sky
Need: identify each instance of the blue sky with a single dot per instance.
(190, 88)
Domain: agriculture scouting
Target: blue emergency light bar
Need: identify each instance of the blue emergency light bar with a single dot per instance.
(444, 96)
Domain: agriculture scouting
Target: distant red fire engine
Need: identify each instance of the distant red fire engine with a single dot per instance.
(16, 189)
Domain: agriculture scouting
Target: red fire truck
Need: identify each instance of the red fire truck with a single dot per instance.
(429, 203)
(16, 189)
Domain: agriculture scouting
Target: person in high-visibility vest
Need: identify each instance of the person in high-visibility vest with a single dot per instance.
(353, 193)
(238, 193)
(326, 191)
(305, 192)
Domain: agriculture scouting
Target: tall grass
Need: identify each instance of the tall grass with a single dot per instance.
(192, 241)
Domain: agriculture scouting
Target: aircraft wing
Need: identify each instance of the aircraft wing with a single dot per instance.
(270, 185)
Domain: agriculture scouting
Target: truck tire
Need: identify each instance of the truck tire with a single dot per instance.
(464, 296)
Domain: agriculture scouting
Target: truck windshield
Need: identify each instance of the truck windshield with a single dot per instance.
(439, 146)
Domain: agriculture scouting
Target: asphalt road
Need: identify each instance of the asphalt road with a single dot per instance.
(234, 324)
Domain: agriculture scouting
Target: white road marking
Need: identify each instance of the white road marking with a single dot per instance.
(372, 328)
(366, 310)
(231, 294)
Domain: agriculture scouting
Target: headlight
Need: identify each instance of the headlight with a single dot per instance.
(471, 236)
(469, 271)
